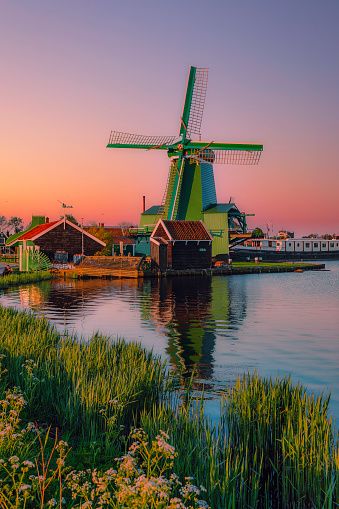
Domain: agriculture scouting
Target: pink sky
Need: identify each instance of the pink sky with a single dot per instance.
(74, 71)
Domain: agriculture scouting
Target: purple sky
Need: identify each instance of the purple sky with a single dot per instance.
(72, 71)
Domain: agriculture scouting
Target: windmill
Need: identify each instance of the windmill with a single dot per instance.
(190, 189)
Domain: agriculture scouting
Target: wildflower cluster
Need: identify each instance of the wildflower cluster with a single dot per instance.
(10, 408)
(138, 481)
(143, 477)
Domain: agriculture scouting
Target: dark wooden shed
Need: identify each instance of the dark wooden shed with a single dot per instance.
(181, 245)
(60, 239)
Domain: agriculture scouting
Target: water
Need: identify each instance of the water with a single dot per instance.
(221, 327)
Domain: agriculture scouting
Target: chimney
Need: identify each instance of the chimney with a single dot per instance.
(47, 220)
(101, 225)
(143, 203)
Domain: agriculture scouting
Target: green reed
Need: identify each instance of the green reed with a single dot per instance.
(22, 278)
(274, 446)
(70, 381)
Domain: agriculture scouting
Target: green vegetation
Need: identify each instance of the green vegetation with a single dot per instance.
(296, 265)
(104, 235)
(23, 278)
(274, 446)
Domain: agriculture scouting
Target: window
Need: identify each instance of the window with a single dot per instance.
(315, 244)
(202, 249)
(307, 244)
(298, 244)
(331, 244)
(289, 244)
(269, 244)
(323, 244)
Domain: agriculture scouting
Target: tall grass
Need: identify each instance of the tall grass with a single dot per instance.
(71, 381)
(22, 278)
(274, 446)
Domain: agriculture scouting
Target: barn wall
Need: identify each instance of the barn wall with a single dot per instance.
(191, 255)
(159, 255)
(69, 240)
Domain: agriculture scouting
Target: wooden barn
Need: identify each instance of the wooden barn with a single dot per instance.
(181, 245)
(59, 240)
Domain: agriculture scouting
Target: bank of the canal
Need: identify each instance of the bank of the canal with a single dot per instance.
(130, 271)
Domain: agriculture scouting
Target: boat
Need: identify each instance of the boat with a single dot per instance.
(304, 248)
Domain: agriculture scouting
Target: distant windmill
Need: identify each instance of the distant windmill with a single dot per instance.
(190, 185)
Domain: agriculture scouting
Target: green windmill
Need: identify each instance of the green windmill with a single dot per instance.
(190, 191)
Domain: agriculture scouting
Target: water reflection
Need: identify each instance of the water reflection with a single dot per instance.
(219, 327)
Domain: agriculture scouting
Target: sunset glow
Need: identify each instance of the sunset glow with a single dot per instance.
(74, 71)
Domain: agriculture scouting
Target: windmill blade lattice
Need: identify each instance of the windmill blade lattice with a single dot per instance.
(118, 138)
(198, 101)
(225, 156)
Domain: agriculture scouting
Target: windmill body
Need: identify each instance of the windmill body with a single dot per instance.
(190, 192)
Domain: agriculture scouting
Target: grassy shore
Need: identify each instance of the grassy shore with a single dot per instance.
(274, 446)
(22, 278)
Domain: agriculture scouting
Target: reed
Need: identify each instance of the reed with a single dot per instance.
(23, 278)
(81, 387)
(274, 447)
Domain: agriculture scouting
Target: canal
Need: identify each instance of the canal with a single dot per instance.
(220, 327)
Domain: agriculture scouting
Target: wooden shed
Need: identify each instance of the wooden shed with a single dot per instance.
(181, 245)
(59, 240)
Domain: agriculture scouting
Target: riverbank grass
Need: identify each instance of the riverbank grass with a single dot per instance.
(23, 278)
(112, 428)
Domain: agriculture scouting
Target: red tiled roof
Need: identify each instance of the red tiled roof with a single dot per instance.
(125, 240)
(35, 231)
(187, 230)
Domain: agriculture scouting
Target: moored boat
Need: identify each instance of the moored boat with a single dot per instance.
(287, 249)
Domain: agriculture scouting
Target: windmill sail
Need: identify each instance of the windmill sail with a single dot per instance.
(127, 140)
(198, 101)
(230, 156)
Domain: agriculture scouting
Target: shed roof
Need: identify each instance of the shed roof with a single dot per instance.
(36, 231)
(221, 208)
(184, 230)
(151, 211)
(41, 229)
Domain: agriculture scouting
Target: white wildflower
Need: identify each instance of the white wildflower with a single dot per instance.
(28, 464)
(24, 487)
(13, 459)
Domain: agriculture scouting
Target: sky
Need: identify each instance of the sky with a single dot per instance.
(72, 71)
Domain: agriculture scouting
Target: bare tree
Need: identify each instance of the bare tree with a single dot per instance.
(125, 226)
(3, 222)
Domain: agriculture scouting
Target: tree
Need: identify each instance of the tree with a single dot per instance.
(105, 236)
(125, 226)
(71, 219)
(258, 232)
(3, 222)
(16, 223)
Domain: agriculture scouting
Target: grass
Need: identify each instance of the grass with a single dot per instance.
(23, 278)
(297, 265)
(274, 447)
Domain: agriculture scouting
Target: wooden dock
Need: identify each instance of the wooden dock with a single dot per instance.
(109, 267)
